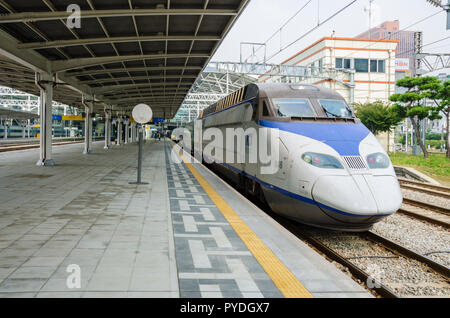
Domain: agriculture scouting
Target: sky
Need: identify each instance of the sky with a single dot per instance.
(262, 18)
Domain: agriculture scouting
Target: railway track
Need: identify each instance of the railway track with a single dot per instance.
(25, 146)
(394, 251)
(425, 188)
(435, 214)
(440, 220)
(427, 206)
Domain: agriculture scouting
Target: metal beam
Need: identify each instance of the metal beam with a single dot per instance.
(65, 65)
(135, 78)
(131, 69)
(118, 88)
(32, 60)
(46, 16)
(122, 39)
(148, 93)
(149, 97)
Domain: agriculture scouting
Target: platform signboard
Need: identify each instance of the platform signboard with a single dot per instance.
(158, 120)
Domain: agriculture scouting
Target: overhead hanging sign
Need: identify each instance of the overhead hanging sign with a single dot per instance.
(157, 120)
(72, 117)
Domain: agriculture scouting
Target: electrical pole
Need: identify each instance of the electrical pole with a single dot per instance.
(446, 7)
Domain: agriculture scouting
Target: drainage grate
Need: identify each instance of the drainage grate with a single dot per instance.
(355, 162)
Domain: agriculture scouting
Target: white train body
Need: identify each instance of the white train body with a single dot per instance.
(331, 171)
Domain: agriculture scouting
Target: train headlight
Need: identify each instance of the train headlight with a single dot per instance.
(378, 161)
(322, 161)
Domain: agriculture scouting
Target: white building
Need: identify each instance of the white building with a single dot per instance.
(361, 70)
(331, 61)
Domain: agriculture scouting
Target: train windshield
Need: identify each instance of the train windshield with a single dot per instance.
(285, 107)
(336, 108)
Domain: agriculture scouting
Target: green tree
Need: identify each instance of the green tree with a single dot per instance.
(377, 117)
(444, 97)
(411, 104)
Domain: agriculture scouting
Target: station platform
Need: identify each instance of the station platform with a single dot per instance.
(185, 234)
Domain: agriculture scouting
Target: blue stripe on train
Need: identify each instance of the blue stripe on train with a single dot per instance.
(344, 138)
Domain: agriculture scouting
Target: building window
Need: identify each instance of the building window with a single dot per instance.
(377, 66)
(347, 64)
(362, 65)
(343, 63)
(373, 66)
(381, 66)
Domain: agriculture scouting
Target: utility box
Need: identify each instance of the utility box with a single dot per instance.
(417, 151)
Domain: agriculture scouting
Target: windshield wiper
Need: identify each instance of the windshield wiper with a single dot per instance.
(332, 114)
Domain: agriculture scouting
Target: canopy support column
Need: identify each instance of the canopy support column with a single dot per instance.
(119, 131)
(107, 129)
(89, 109)
(127, 131)
(45, 83)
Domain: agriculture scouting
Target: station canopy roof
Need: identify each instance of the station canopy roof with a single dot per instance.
(6, 113)
(124, 53)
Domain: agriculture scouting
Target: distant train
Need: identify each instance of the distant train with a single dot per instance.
(17, 131)
(333, 173)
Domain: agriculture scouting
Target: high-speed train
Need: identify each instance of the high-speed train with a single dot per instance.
(331, 172)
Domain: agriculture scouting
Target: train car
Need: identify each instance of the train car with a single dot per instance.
(331, 170)
(16, 131)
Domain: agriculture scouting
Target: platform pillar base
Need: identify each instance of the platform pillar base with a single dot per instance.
(47, 163)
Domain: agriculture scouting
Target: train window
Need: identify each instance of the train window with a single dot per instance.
(285, 107)
(265, 109)
(336, 108)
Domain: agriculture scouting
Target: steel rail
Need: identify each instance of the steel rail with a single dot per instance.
(424, 185)
(428, 206)
(406, 252)
(427, 191)
(424, 218)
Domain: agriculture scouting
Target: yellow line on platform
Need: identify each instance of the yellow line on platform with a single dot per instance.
(281, 276)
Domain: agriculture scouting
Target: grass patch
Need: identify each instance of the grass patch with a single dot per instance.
(437, 166)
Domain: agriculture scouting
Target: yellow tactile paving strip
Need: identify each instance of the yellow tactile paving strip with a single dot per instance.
(281, 276)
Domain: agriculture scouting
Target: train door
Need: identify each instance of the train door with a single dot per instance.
(276, 170)
(251, 143)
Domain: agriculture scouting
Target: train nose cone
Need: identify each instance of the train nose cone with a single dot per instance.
(345, 195)
(387, 193)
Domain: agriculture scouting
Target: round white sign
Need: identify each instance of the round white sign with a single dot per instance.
(142, 113)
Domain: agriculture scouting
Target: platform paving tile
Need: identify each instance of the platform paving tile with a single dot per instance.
(84, 212)
(212, 260)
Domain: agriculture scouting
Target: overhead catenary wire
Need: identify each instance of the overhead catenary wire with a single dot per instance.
(425, 45)
(285, 24)
(313, 29)
(392, 34)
